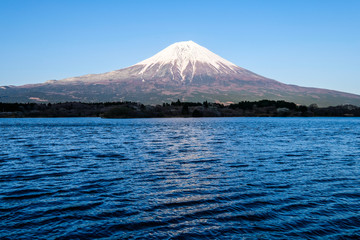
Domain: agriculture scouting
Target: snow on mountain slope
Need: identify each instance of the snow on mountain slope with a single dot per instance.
(182, 55)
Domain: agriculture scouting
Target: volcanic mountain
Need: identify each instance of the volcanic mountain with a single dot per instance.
(183, 70)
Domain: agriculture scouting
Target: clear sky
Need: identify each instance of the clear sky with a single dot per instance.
(310, 43)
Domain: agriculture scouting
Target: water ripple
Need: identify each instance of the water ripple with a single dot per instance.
(230, 178)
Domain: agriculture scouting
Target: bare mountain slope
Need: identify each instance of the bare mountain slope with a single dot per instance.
(185, 71)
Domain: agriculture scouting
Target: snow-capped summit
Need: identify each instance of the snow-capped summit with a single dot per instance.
(185, 60)
(187, 54)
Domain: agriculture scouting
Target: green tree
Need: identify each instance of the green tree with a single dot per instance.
(185, 109)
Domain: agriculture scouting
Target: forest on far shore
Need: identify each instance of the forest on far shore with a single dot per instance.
(262, 108)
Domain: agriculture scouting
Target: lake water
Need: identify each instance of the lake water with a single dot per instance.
(213, 178)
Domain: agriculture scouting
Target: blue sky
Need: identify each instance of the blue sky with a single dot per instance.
(309, 43)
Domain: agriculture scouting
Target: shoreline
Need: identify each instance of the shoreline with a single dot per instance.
(186, 117)
(123, 110)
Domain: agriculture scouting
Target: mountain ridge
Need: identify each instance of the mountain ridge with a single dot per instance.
(183, 70)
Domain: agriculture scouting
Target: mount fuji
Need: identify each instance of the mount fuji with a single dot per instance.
(183, 70)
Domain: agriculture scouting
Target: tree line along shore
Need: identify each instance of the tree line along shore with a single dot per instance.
(263, 108)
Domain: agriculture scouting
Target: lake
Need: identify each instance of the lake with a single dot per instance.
(180, 178)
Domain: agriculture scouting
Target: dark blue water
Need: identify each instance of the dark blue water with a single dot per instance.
(222, 178)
